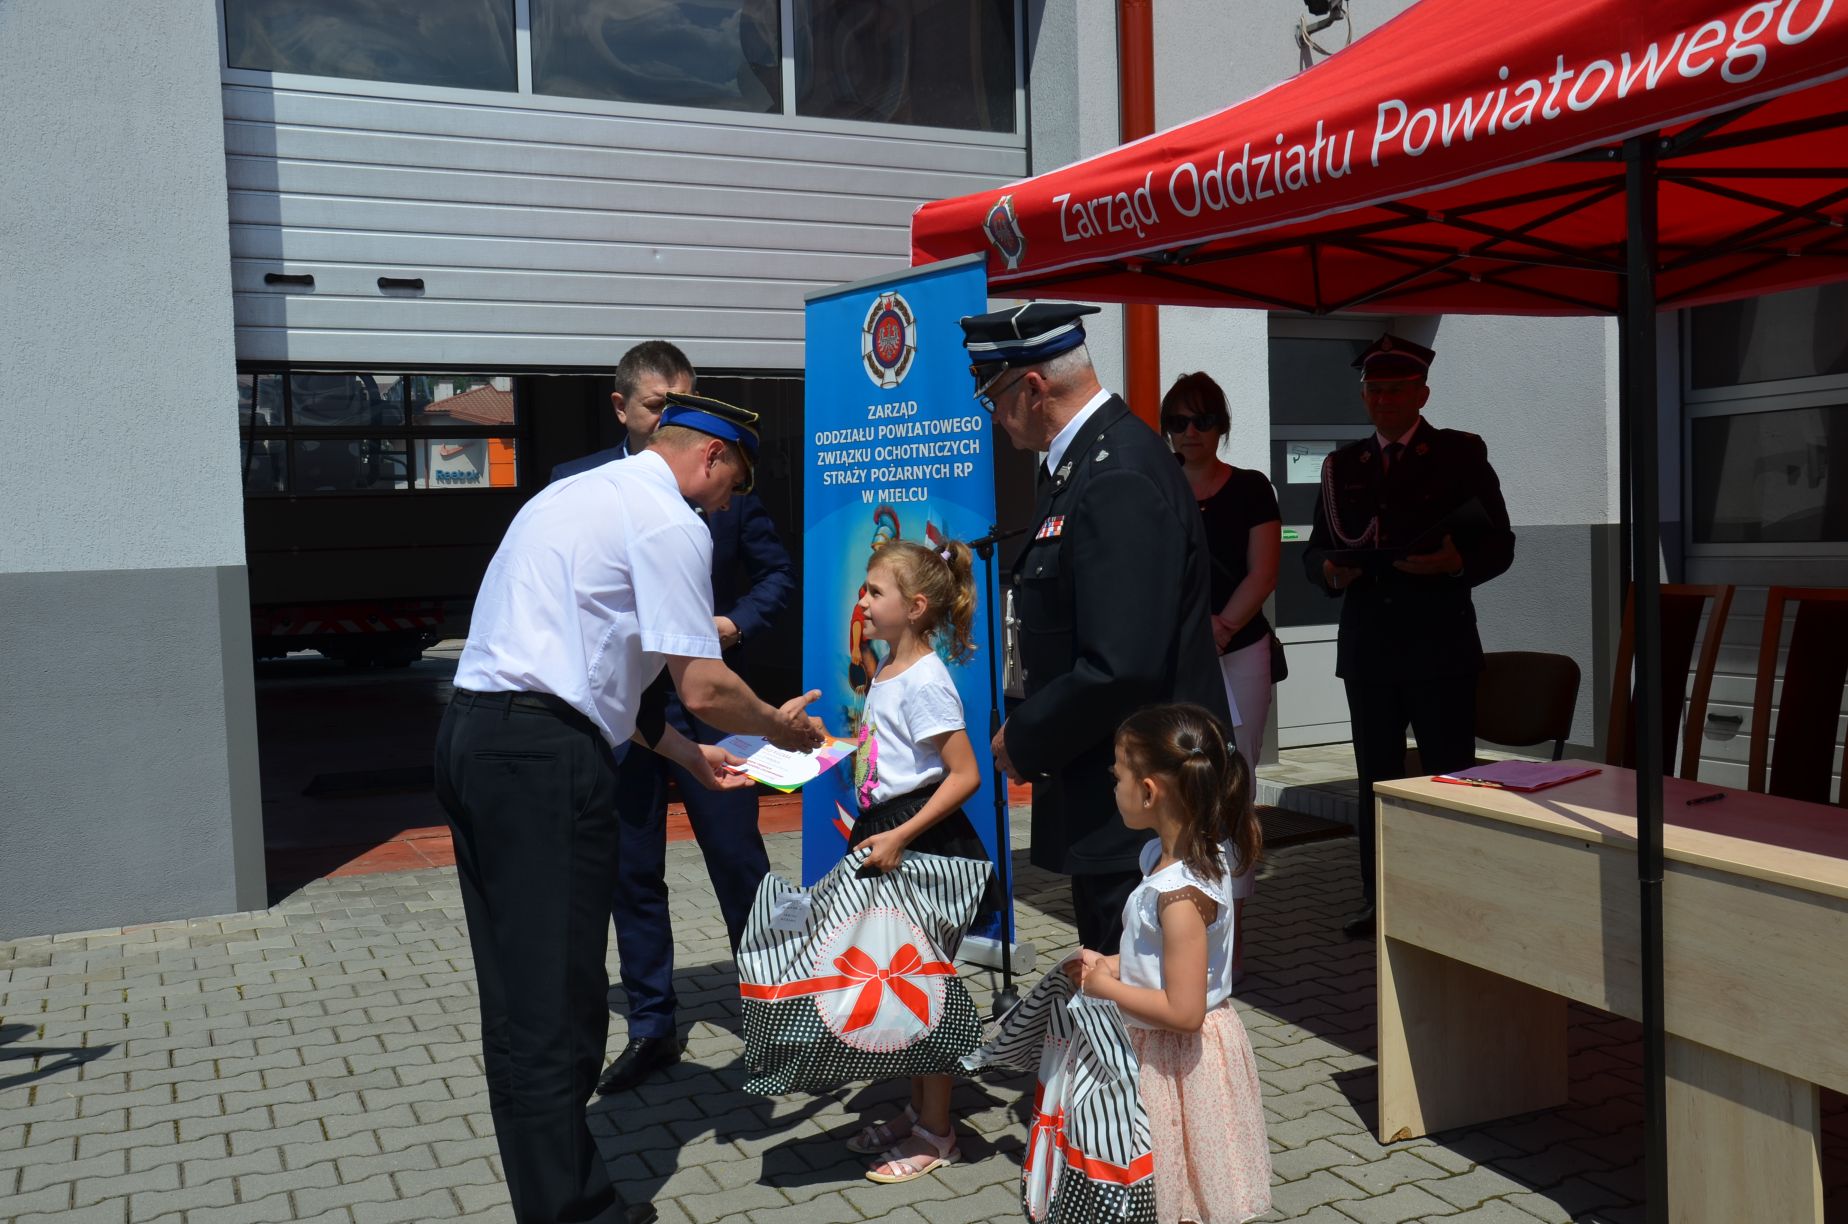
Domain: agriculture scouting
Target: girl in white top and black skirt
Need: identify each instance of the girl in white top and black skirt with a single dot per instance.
(913, 769)
(1172, 981)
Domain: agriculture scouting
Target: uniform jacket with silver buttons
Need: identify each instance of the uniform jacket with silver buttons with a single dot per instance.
(1396, 626)
(1111, 591)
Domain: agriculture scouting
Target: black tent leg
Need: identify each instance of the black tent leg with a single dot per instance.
(1638, 405)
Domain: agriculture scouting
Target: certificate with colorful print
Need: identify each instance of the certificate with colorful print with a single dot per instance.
(779, 768)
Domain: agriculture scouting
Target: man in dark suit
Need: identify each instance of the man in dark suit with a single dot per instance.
(1407, 649)
(1111, 591)
(751, 584)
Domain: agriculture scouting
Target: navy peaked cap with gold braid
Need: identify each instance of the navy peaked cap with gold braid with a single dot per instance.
(1024, 335)
(1395, 357)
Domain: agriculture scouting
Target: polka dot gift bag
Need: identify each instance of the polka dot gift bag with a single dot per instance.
(854, 978)
(1089, 1155)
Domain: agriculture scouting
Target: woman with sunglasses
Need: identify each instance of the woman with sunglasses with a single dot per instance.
(1244, 533)
(1244, 536)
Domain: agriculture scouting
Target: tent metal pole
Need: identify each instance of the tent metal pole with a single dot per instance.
(1639, 405)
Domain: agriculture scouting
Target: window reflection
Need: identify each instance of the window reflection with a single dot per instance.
(725, 54)
(934, 63)
(1798, 334)
(266, 465)
(460, 399)
(347, 399)
(1771, 477)
(468, 463)
(259, 400)
(465, 44)
(336, 465)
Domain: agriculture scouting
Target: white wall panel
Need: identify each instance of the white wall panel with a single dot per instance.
(555, 237)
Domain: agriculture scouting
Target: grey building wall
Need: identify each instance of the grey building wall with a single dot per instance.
(556, 232)
(1541, 392)
(128, 788)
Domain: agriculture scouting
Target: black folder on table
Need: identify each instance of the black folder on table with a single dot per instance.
(1466, 522)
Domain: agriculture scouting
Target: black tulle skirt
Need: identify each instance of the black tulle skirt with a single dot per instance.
(951, 837)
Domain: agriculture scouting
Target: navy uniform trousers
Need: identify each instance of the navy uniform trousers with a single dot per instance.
(724, 823)
(529, 785)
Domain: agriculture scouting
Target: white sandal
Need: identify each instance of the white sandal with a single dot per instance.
(911, 1167)
(877, 1137)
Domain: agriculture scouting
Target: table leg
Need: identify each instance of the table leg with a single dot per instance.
(1744, 1141)
(1460, 1045)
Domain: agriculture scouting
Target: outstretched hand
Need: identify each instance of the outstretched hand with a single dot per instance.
(716, 769)
(795, 730)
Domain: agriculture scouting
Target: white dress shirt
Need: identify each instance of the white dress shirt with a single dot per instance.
(599, 578)
(1062, 441)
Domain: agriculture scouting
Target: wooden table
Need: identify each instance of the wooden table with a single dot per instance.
(1495, 908)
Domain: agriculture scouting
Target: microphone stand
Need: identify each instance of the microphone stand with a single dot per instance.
(984, 548)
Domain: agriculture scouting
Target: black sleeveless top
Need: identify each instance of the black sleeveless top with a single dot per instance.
(1246, 500)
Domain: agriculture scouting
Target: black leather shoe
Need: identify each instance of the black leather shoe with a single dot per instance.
(641, 1058)
(641, 1213)
(1360, 926)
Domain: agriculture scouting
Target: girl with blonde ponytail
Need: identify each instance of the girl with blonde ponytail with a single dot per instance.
(913, 770)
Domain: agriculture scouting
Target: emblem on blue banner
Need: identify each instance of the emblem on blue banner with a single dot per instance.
(888, 340)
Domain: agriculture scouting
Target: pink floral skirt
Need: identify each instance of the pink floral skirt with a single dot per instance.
(1206, 1117)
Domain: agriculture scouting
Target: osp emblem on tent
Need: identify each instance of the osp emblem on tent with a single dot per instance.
(1003, 229)
(888, 340)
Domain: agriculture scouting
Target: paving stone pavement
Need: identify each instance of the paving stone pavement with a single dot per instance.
(318, 1061)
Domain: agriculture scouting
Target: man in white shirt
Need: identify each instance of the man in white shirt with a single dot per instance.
(602, 582)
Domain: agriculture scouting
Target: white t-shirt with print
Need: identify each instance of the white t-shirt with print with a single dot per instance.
(1139, 959)
(891, 757)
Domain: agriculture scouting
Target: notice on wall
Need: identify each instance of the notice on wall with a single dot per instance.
(1302, 461)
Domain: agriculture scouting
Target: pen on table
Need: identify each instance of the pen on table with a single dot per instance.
(1715, 797)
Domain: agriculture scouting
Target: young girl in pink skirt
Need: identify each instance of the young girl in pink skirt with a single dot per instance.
(1176, 774)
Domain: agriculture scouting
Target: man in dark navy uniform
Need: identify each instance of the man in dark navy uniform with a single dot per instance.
(1408, 650)
(1111, 590)
(751, 585)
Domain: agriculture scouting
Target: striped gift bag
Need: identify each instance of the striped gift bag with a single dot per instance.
(1089, 1159)
(853, 979)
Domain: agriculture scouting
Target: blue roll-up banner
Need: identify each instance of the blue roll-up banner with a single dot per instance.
(896, 447)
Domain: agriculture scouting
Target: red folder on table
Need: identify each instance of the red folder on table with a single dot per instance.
(1520, 775)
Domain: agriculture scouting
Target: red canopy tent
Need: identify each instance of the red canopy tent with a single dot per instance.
(1575, 157)
(1456, 160)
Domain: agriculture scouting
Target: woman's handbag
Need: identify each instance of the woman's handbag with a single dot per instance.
(852, 979)
(1089, 1157)
(1280, 666)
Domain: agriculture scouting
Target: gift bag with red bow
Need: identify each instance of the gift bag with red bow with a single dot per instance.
(1089, 1156)
(853, 979)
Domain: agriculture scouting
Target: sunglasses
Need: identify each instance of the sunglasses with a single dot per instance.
(1179, 423)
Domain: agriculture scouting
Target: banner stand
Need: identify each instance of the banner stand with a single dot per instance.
(986, 952)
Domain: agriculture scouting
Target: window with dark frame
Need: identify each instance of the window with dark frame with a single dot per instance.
(924, 63)
(721, 54)
(463, 44)
(314, 432)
